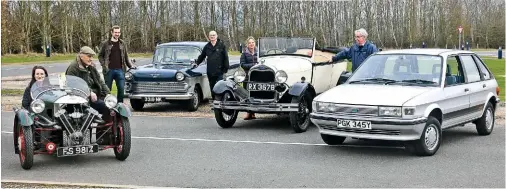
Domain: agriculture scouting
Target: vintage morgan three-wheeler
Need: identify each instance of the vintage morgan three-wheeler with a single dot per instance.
(61, 122)
(290, 73)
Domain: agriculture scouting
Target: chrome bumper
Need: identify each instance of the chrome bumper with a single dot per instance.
(381, 128)
(186, 96)
(257, 107)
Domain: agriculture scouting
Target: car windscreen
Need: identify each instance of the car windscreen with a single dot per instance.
(60, 84)
(404, 69)
(285, 46)
(175, 54)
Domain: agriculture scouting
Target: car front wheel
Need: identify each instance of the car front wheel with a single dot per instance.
(123, 143)
(25, 146)
(299, 120)
(430, 141)
(137, 104)
(226, 118)
(193, 103)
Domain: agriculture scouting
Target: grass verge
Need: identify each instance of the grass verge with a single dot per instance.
(12, 92)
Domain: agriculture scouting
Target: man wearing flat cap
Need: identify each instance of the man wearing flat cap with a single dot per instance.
(84, 68)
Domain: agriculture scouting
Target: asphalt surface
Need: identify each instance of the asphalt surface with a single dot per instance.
(58, 67)
(195, 152)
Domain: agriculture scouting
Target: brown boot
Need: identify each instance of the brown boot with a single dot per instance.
(250, 116)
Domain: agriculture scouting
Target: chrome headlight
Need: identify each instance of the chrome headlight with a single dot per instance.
(390, 111)
(110, 101)
(322, 107)
(239, 75)
(281, 76)
(179, 76)
(37, 106)
(128, 76)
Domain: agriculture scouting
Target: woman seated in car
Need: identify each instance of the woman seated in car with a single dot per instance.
(38, 74)
(249, 58)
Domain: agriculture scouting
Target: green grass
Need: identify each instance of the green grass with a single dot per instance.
(41, 58)
(12, 92)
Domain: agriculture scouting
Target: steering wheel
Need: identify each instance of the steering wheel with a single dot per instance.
(167, 59)
(274, 49)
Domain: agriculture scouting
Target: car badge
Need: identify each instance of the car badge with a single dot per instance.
(155, 75)
(354, 110)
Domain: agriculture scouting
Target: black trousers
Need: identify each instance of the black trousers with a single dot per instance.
(213, 79)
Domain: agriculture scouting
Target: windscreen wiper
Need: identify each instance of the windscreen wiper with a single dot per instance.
(386, 81)
(421, 81)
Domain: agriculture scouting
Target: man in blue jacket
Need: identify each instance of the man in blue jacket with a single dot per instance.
(358, 52)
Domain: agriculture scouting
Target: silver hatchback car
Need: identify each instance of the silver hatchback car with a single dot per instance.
(411, 96)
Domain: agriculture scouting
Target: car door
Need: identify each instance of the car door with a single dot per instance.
(322, 73)
(455, 92)
(474, 82)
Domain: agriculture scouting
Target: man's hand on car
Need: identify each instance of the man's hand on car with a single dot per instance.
(93, 97)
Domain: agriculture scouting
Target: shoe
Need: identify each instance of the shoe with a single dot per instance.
(250, 116)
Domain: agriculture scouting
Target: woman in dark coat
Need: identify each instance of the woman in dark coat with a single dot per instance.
(38, 74)
(249, 58)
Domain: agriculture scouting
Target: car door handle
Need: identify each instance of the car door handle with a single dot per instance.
(484, 85)
(466, 90)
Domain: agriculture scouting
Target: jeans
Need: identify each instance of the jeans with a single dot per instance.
(118, 76)
(213, 80)
(100, 106)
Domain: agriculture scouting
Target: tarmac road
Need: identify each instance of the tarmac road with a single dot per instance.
(195, 152)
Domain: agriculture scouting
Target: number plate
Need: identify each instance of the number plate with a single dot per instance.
(354, 124)
(77, 150)
(152, 99)
(261, 86)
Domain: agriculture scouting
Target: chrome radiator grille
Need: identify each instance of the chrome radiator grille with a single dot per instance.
(262, 76)
(159, 87)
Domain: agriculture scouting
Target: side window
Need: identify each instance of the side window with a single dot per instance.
(454, 75)
(484, 71)
(470, 68)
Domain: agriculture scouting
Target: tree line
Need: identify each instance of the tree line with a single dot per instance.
(28, 26)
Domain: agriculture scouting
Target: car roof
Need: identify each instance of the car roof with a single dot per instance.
(425, 51)
(200, 44)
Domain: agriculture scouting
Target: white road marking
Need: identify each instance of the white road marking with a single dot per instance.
(79, 184)
(250, 142)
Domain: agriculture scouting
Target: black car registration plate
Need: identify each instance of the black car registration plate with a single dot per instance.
(261, 86)
(77, 150)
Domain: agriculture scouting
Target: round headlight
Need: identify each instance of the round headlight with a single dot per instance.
(110, 101)
(128, 76)
(179, 76)
(281, 76)
(37, 106)
(239, 75)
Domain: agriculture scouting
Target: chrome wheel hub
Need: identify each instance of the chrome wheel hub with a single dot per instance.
(489, 119)
(431, 137)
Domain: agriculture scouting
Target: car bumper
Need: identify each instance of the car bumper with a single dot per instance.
(381, 129)
(257, 107)
(178, 96)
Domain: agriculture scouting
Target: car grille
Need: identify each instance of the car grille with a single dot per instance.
(355, 110)
(159, 87)
(262, 76)
(371, 131)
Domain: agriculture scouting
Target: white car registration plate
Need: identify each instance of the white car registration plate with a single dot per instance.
(77, 150)
(354, 124)
(152, 99)
(261, 87)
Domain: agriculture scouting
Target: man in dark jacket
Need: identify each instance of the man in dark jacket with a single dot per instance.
(359, 51)
(84, 68)
(114, 60)
(217, 59)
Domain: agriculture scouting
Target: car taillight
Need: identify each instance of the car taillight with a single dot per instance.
(497, 90)
(50, 147)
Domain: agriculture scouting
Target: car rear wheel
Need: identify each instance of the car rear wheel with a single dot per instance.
(226, 118)
(193, 103)
(300, 120)
(137, 104)
(332, 140)
(485, 124)
(429, 142)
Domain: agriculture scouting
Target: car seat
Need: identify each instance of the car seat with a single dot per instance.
(450, 79)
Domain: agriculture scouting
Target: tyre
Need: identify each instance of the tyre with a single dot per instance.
(25, 146)
(332, 140)
(429, 142)
(485, 124)
(137, 104)
(226, 118)
(300, 120)
(123, 143)
(193, 103)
